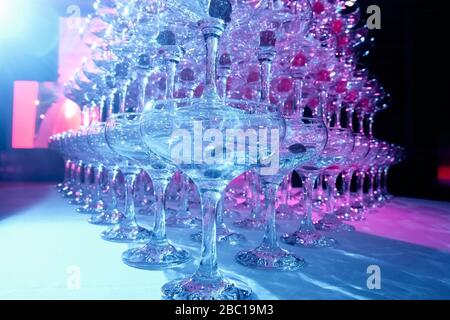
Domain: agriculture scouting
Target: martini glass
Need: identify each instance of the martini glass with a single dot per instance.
(334, 153)
(127, 230)
(97, 141)
(123, 134)
(360, 151)
(345, 141)
(168, 128)
(304, 140)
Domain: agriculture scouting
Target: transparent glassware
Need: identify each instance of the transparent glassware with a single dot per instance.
(339, 145)
(330, 221)
(208, 113)
(183, 217)
(211, 180)
(123, 132)
(127, 230)
(360, 151)
(305, 138)
(357, 204)
(111, 214)
(256, 219)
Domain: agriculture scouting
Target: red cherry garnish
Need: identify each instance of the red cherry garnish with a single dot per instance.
(284, 85)
(299, 60)
(341, 86)
(336, 26)
(323, 76)
(253, 76)
(318, 7)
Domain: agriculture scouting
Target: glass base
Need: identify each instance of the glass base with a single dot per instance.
(284, 212)
(331, 223)
(319, 202)
(146, 210)
(224, 235)
(351, 214)
(251, 224)
(370, 202)
(68, 194)
(127, 233)
(307, 236)
(155, 256)
(78, 201)
(275, 259)
(195, 289)
(187, 222)
(85, 210)
(106, 218)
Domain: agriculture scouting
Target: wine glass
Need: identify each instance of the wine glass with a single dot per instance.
(111, 215)
(344, 140)
(124, 136)
(304, 140)
(338, 146)
(168, 127)
(127, 230)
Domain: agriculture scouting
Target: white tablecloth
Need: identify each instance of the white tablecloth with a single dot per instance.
(44, 243)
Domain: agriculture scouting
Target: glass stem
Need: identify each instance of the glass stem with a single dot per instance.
(338, 112)
(270, 240)
(379, 181)
(298, 108)
(171, 67)
(360, 117)
(103, 109)
(349, 113)
(385, 184)
(67, 172)
(331, 192)
(256, 210)
(110, 101)
(130, 183)
(80, 177)
(266, 71)
(99, 186)
(142, 89)
(159, 230)
(320, 111)
(360, 186)
(347, 180)
(219, 216)
(123, 89)
(222, 86)
(184, 196)
(371, 121)
(212, 42)
(74, 175)
(308, 187)
(114, 200)
(373, 178)
(88, 185)
(285, 191)
(370, 179)
(208, 269)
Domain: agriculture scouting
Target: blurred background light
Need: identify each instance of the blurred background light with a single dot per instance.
(14, 18)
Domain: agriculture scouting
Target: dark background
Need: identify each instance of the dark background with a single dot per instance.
(409, 58)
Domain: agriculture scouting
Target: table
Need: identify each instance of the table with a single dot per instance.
(46, 247)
